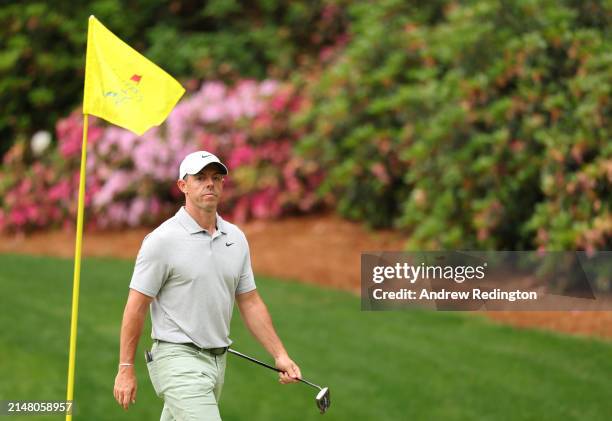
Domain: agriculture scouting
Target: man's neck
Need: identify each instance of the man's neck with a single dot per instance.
(205, 219)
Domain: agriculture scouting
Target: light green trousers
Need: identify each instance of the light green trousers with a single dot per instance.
(188, 381)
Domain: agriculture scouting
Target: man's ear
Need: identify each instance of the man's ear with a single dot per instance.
(181, 184)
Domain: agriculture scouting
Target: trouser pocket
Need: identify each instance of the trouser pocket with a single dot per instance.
(153, 376)
(152, 368)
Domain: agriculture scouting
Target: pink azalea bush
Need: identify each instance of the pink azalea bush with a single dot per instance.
(131, 179)
(40, 193)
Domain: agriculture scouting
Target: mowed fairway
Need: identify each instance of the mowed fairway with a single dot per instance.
(379, 366)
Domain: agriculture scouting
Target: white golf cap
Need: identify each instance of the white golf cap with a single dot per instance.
(194, 162)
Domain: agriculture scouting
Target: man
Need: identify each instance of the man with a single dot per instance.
(190, 270)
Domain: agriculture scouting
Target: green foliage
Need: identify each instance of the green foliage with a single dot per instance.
(479, 124)
(37, 66)
(42, 47)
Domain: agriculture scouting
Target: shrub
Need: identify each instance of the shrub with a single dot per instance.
(131, 179)
(482, 124)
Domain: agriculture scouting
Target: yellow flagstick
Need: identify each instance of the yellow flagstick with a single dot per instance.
(77, 269)
(126, 89)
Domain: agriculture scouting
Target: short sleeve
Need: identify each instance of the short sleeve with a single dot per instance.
(246, 283)
(151, 269)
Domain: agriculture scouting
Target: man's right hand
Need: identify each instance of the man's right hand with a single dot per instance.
(125, 386)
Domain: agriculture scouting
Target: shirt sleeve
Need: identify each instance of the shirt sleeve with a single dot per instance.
(151, 269)
(246, 283)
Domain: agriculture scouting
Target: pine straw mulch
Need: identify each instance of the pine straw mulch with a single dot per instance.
(321, 249)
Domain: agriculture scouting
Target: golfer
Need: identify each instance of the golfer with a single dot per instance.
(189, 270)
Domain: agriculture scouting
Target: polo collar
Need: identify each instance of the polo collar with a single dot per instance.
(221, 225)
(192, 226)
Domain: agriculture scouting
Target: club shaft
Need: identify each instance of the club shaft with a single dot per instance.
(261, 363)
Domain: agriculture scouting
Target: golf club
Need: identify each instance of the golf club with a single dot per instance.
(323, 399)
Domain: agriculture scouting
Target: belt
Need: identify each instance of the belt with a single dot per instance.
(213, 351)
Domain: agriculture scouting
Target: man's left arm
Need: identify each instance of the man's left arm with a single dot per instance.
(256, 317)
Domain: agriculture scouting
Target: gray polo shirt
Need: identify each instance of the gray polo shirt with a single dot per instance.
(194, 279)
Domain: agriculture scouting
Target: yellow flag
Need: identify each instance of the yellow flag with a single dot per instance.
(122, 86)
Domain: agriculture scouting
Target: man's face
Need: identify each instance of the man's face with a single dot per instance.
(203, 190)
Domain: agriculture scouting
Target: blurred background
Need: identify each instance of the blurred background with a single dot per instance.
(347, 126)
(474, 125)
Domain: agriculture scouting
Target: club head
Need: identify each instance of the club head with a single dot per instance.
(323, 400)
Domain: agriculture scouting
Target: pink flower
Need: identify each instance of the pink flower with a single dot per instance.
(212, 91)
(106, 144)
(326, 53)
(291, 182)
(154, 207)
(279, 102)
(130, 179)
(265, 204)
(94, 133)
(24, 187)
(126, 141)
(242, 155)
(246, 87)
(38, 169)
(91, 160)
(250, 107)
(233, 108)
(31, 212)
(117, 214)
(118, 182)
(212, 112)
(246, 93)
(93, 187)
(268, 87)
(147, 156)
(262, 122)
(240, 212)
(55, 213)
(68, 136)
(274, 151)
(60, 191)
(136, 211)
(11, 197)
(178, 121)
(18, 217)
(239, 139)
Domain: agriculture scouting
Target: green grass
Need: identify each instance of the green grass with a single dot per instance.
(414, 365)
